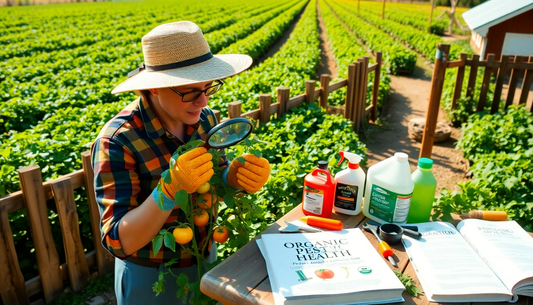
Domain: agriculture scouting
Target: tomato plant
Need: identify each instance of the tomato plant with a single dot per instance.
(208, 199)
(200, 217)
(183, 235)
(221, 234)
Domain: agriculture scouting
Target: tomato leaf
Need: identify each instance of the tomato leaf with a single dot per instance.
(170, 241)
(157, 243)
(182, 200)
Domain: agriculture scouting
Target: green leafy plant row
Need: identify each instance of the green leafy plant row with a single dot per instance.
(291, 66)
(500, 146)
(43, 89)
(77, 31)
(405, 14)
(421, 41)
(396, 56)
(247, 25)
(346, 51)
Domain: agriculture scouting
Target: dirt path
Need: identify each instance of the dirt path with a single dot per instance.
(408, 99)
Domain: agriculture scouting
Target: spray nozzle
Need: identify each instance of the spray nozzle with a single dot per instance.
(353, 159)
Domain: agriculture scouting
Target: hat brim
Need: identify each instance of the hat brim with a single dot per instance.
(218, 67)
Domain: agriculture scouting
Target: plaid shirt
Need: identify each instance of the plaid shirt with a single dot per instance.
(129, 155)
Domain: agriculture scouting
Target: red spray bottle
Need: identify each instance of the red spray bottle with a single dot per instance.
(319, 192)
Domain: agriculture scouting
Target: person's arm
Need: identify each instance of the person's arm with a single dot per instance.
(138, 226)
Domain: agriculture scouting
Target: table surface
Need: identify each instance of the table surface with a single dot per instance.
(242, 278)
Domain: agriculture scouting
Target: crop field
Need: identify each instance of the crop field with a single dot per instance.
(61, 61)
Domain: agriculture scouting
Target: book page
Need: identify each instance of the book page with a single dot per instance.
(326, 263)
(506, 248)
(449, 269)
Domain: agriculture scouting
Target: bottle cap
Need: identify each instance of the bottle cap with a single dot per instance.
(400, 156)
(425, 163)
(323, 164)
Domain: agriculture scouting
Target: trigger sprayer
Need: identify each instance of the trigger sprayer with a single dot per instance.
(349, 185)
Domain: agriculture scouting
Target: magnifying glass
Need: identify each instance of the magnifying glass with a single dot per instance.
(228, 133)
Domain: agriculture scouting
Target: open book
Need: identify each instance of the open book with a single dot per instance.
(480, 261)
(339, 267)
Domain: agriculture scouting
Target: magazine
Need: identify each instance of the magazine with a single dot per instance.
(480, 261)
(334, 267)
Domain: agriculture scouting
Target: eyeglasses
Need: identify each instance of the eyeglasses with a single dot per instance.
(194, 95)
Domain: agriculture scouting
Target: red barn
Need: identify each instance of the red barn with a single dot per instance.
(501, 27)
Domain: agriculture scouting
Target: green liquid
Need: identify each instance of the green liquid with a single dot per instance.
(423, 195)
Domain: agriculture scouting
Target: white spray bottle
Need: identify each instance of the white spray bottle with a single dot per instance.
(349, 186)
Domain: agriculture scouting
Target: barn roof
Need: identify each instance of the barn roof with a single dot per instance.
(481, 17)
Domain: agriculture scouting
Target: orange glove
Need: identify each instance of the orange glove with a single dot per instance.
(191, 170)
(251, 176)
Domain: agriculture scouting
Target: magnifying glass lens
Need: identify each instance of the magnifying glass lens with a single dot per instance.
(230, 134)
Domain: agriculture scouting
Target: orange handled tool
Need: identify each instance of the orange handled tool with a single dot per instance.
(323, 222)
(384, 248)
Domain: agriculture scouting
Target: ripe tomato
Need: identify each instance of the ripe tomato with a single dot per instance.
(324, 273)
(209, 200)
(182, 235)
(204, 188)
(200, 218)
(220, 234)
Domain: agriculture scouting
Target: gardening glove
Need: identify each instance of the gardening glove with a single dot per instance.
(251, 176)
(191, 170)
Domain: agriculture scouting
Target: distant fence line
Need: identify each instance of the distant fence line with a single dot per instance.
(516, 66)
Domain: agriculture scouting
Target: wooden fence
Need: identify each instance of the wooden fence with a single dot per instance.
(34, 194)
(517, 67)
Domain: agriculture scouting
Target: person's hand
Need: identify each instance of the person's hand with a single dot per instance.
(191, 170)
(251, 176)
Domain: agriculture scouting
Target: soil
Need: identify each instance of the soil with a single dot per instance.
(408, 99)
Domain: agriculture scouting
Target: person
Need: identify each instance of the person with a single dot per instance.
(134, 148)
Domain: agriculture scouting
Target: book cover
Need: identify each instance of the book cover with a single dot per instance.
(335, 267)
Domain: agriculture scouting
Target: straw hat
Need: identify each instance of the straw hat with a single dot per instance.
(177, 54)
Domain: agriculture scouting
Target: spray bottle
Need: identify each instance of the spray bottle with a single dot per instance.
(349, 186)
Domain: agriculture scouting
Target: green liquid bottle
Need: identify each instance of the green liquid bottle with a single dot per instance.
(424, 192)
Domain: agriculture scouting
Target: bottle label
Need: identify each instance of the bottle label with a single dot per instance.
(313, 200)
(387, 205)
(346, 196)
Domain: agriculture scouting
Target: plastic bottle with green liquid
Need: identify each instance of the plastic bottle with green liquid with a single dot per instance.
(424, 192)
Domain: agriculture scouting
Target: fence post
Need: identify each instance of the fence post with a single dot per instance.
(324, 83)
(105, 262)
(486, 83)
(348, 104)
(78, 270)
(471, 87)
(217, 114)
(283, 100)
(500, 78)
(526, 83)
(375, 92)
(31, 184)
(356, 95)
(264, 107)
(234, 109)
(12, 286)
(310, 91)
(437, 82)
(459, 81)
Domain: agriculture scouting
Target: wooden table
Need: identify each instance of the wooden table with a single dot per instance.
(242, 278)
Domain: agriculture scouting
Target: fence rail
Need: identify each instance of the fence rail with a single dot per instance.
(34, 193)
(517, 67)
